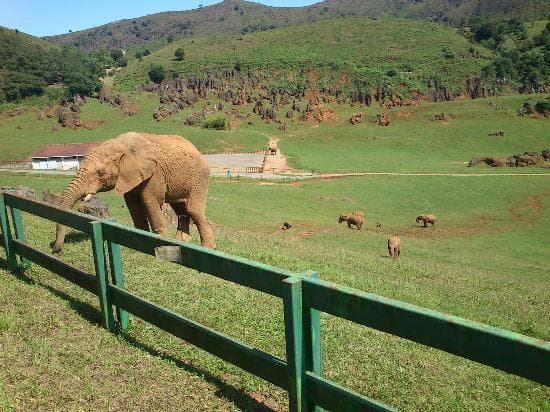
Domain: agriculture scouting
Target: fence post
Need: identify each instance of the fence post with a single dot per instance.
(101, 277)
(19, 232)
(292, 301)
(6, 235)
(312, 338)
(117, 276)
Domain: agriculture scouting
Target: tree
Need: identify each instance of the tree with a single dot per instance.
(118, 57)
(157, 74)
(179, 54)
(117, 54)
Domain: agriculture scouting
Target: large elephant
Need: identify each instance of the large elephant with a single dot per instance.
(148, 170)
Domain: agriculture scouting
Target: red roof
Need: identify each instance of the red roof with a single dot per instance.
(65, 150)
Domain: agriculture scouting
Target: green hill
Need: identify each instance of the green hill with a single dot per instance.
(352, 54)
(29, 64)
(238, 16)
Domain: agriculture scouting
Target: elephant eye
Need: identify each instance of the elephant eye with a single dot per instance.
(101, 172)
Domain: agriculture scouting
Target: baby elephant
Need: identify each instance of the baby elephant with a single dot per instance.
(355, 218)
(426, 219)
(394, 246)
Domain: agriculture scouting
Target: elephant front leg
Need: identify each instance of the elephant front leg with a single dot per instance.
(154, 214)
(137, 212)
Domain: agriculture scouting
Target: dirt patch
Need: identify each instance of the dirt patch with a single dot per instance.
(234, 124)
(403, 115)
(534, 202)
(297, 184)
(530, 212)
(91, 124)
(265, 402)
(419, 232)
(301, 230)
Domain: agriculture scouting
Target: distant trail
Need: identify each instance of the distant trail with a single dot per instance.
(335, 175)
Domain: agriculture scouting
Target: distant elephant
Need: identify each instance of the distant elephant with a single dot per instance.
(148, 170)
(426, 219)
(394, 246)
(355, 218)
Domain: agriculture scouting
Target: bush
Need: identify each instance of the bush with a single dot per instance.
(179, 54)
(217, 123)
(543, 107)
(157, 74)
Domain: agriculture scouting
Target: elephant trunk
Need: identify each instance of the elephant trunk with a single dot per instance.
(74, 192)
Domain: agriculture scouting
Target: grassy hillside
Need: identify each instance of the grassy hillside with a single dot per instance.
(29, 64)
(414, 142)
(236, 16)
(387, 50)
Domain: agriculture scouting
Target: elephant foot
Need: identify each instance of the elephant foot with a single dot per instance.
(209, 244)
(184, 237)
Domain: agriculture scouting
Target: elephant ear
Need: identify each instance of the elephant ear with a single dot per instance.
(138, 163)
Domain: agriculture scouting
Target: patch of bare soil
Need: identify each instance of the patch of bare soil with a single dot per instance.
(475, 226)
(275, 161)
(530, 212)
(91, 124)
(264, 403)
(234, 124)
(300, 230)
(403, 115)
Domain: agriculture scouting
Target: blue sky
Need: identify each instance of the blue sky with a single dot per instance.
(47, 17)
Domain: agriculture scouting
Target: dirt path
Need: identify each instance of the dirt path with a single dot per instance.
(275, 162)
(336, 175)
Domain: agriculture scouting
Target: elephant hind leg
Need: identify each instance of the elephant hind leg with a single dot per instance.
(182, 231)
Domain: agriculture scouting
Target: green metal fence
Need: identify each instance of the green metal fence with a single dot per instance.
(304, 297)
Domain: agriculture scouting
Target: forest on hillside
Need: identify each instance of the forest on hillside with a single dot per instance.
(32, 67)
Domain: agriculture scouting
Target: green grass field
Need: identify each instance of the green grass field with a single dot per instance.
(486, 260)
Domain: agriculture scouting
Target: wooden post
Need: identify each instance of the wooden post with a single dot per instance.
(117, 277)
(312, 340)
(292, 301)
(6, 235)
(19, 232)
(101, 277)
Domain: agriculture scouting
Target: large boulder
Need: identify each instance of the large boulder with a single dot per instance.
(95, 207)
(356, 118)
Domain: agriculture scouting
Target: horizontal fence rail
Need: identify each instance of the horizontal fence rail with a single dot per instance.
(501, 349)
(83, 279)
(252, 360)
(76, 220)
(258, 276)
(303, 295)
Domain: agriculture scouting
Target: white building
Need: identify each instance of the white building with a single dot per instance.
(61, 156)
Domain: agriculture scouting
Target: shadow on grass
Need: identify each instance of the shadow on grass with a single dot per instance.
(74, 237)
(84, 309)
(237, 396)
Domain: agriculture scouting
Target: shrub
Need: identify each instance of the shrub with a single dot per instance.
(217, 123)
(157, 74)
(179, 54)
(543, 107)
